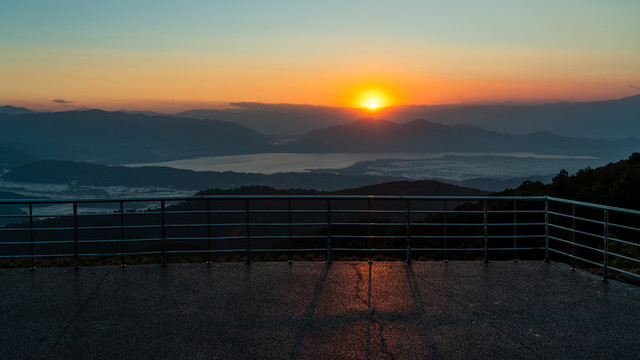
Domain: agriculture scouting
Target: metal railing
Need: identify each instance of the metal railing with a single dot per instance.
(432, 227)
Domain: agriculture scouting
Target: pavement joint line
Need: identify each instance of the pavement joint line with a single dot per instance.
(417, 299)
(310, 310)
(77, 313)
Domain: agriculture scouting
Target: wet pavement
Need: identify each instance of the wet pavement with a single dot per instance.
(313, 310)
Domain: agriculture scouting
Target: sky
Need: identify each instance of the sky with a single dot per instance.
(171, 56)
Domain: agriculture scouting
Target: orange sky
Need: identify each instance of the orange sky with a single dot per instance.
(199, 55)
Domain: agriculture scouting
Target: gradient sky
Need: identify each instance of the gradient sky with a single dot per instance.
(170, 56)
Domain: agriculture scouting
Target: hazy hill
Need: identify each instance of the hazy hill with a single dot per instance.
(278, 119)
(88, 174)
(370, 135)
(114, 137)
(597, 119)
(14, 110)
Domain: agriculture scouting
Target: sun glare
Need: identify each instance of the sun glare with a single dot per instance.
(372, 105)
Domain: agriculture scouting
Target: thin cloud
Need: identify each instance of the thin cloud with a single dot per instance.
(60, 101)
(634, 87)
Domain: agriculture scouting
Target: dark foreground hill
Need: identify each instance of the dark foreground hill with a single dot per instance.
(392, 188)
(115, 137)
(615, 184)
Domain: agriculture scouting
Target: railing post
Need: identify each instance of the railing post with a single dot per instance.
(31, 236)
(486, 233)
(163, 233)
(444, 230)
(290, 262)
(605, 254)
(370, 225)
(329, 260)
(546, 230)
(208, 231)
(76, 249)
(408, 231)
(122, 242)
(515, 231)
(573, 237)
(248, 232)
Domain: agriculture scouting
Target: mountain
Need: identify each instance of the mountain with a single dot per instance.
(13, 110)
(597, 119)
(10, 157)
(89, 174)
(115, 137)
(392, 188)
(278, 119)
(371, 135)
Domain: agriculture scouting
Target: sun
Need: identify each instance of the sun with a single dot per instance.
(372, 104)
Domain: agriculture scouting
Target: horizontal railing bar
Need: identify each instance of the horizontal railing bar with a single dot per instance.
(447, 224)
(37, 229)
(447, 237)
(623, 227)
(576, 231)
(35, 256)
(576, 257)
(623, 241)
(366, 224)
(577, 244)
(515, 224)
(624, 272)
(623, 256)
(578, 218)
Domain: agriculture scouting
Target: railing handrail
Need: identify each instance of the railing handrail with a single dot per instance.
(266, 197)
(593, 205)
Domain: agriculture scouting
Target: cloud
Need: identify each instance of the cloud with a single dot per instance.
(60, 101)
(634, 87)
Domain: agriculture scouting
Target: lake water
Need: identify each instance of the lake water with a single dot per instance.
(270, 163)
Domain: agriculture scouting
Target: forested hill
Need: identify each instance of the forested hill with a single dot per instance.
(393, 188)
(615, 184)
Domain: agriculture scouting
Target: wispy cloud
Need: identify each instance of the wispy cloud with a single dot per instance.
(60, 101)
(634, 87)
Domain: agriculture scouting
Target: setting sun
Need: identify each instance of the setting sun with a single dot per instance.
(372, 104)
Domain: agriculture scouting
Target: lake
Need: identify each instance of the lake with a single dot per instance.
(270, 163)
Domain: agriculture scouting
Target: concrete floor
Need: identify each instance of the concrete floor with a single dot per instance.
(311, 310)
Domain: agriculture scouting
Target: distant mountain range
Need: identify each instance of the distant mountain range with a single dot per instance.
(596, 119)
(371, 135)
(114, 137)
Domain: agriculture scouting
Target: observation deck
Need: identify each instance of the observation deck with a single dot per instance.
(525, 278)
